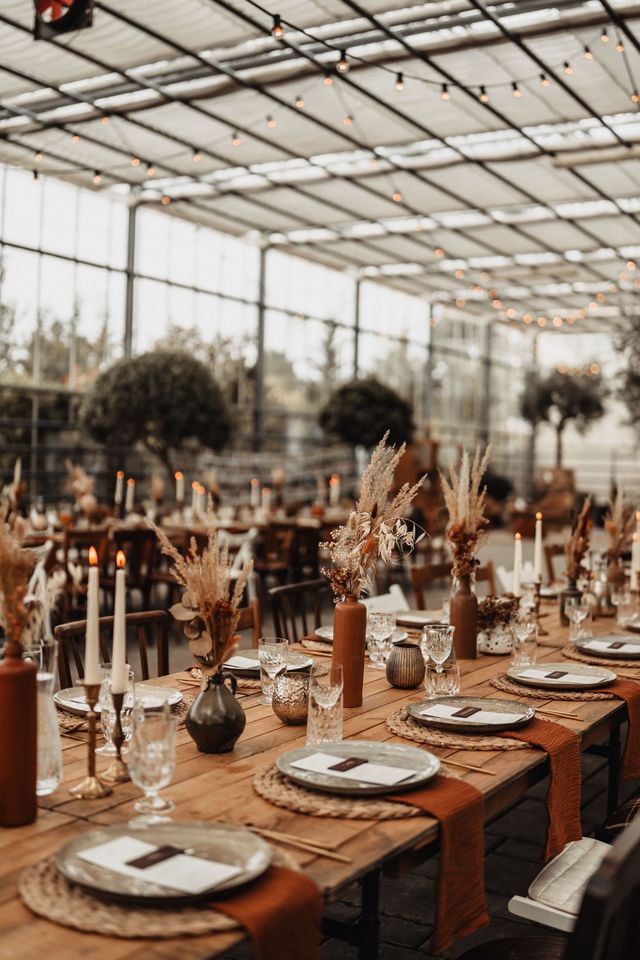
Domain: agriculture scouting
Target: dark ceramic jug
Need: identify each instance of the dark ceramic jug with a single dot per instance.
(215, 719)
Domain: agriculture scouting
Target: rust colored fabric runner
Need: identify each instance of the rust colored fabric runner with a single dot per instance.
(460, 902)
(563, 796)
(629, 691)
(282, 912)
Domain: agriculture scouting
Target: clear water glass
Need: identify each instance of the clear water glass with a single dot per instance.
(152, 755)
(273, 655)
(577, 610)
(525, 642)
(49, 769)
(324, 717)
(445, 683)
(436, 642)
(380, 627)
(622, 601)
(108, 714)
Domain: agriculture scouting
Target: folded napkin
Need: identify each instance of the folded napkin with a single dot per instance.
(460, 902)
(282, 912)
(563, 796)
(629, 691)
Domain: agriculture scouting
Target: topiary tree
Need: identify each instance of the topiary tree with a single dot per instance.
(360, 412)
(561, 398)
(163, 400)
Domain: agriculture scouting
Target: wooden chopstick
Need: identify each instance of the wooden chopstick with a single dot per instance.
(559, 713)
(467, 766)
(292, 841)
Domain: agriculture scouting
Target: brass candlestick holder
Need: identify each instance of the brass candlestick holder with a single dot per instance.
(91, 788)
(537, 599)
(117, 771)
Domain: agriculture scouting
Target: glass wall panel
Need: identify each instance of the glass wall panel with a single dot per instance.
(60, 217)
(22, 205)
(309, 289)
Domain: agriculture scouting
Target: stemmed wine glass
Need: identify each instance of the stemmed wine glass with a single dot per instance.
(380, 627)
(273, 657)
(152, 753)
(577, 611)
(436, 642)
(525, 640)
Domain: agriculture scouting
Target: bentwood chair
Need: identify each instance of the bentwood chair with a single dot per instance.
(76, 544)
(431, 573)
(552, 550)
(607, 925)
(297, 608)
(149, 628)
(251, 619)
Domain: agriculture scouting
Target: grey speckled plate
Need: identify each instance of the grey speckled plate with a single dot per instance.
(584, 644)
(72, 699)
(509, 708)
(295, 661)
(425, 764)
(221, 842)
(593, 676)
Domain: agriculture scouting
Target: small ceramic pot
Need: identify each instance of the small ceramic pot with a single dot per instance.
(497, 641)
(215, 719)
(290, 700)
(405, 665)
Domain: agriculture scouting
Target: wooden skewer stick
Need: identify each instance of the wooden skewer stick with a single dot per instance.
(300, 844)
(559, 713)
(468, 766)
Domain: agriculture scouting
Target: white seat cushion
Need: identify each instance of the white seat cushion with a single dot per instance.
(562, 882)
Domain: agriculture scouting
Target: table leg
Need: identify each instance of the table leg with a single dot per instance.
(368, 923)
(613, 751)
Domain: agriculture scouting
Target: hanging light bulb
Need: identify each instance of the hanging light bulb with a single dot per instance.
(105, 118)
(342, 65)
(604, 36)
(396, 196)
(587, 53)
(328, 79)
(165, 201)
(460, 301)
(151, 170)
(444, 92)
(557, 321)
(542, 321)
(568, 69)
(511, 313)
(135, 161)
(635, 97)
(399, 82)
(601, 297)
(277, 29)
(631, 264)
(75, 138)
(517, 92)
(37, 156)
(235, 139)
(544, 80)
(620, 46)
(439, 252)
(197, 156)
(348, 120)
(97, 177)
(527, 318)
(299, 103)
(459, 274)
(484, 96)
(571, 318)
(272, 123)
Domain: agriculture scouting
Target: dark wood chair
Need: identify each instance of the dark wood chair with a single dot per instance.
(76, 543)
(273, 554)
(552, 550)
(432, 572)
(305, 554)
(139, 547)
(607, 926)
(486, 574)
(251, 619)
(150, 629)
(297, 608)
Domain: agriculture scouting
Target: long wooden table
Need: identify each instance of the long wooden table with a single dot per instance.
(220, 787)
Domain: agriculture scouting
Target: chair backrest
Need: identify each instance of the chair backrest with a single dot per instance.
(607, 927)
(429, 573)
(486, 574)
(297, 608)
(77, 542)
(251, 619)
(151, 630)
(139, 545)
(552, 550)
(391, 602)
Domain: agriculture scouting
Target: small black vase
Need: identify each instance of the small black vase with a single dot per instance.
(215, 719)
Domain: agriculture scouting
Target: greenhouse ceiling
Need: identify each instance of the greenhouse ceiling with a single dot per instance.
(482, 156)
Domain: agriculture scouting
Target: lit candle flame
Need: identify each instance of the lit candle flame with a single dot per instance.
(93, 557)
(518, 536)
(194, 485)
(131, 482)
(179, 475)
(120, 474)
(255, 482)
(334, 479)
(538, 516)
(120, 559)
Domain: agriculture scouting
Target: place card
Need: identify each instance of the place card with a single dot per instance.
(242, 663)
(165, 866)
(618, 645)
(560, 676)
(353, 768)
(441, 711)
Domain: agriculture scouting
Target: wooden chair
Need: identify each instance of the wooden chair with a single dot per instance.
(139, 547)
(552, 550)
(420, 576)
(607, 926)
(297, 608)
(273, 554)
(486, 574)
(76, 543)
(251, 619)
(151, 629)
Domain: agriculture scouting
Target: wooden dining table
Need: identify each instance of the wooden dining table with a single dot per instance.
(219, 787)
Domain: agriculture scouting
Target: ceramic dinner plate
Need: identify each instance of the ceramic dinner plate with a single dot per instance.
(471, 714)
(219, 842)
(423, 764)
(72, 699)
(296, 661)
(326, 633)
(417, 618)
(613, 646)
(562, 676)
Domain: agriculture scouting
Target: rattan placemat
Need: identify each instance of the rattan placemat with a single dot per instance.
(406, 727)
(44, 890)
(276, 789)
(320, 645)
(575, 654)
(502, 682)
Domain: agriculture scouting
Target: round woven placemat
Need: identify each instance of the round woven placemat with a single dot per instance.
(276, 789)
(574, 654)
(44, 890)
(406, 727)
(72, 723)
(502, 682)
(320, 645)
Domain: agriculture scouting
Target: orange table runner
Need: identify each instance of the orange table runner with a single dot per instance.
(563, 796)
(629, 691)
(460, 901)
(283, 913)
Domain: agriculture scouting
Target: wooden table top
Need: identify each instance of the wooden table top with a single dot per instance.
(208, 787)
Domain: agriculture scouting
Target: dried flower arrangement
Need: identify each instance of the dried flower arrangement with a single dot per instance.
(465, 503)
(209, 608)
(577, 545)
(376, 527)
(496, 611)
(619, 524)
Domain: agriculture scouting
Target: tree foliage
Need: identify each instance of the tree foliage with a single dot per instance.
(629, 392)
(562, 398)
(166, 401)
(360, 412)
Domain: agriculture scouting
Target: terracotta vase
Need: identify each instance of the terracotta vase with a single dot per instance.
(18, 739)
(463, 615)
(349, 642)
(570, 591)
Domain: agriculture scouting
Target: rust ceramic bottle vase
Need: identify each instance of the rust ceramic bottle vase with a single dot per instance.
(349, 640)
(463, 615)
(18, 738)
